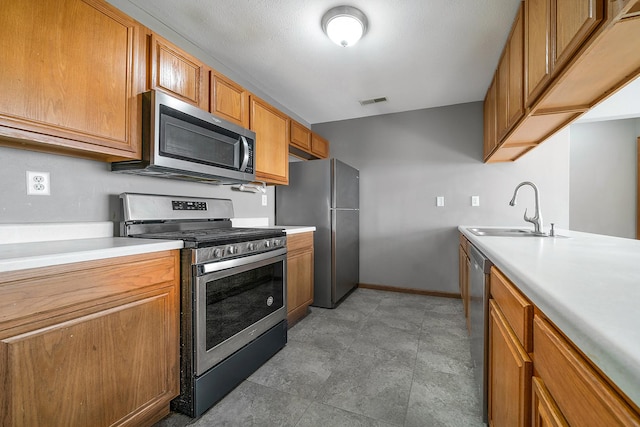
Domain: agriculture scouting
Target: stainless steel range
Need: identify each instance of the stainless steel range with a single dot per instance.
(233, 291)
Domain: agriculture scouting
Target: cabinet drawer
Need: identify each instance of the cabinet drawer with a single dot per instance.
(516, 308)
(581, 393)
(300, 241)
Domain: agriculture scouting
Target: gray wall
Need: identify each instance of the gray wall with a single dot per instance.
(407, 159)
(603, 177)
(86, 190)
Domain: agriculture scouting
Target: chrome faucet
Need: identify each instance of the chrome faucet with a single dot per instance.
(536, 220)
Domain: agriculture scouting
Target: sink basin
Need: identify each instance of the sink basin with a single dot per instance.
(507, 232)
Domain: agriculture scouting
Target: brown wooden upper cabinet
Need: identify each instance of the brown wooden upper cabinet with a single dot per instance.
(307, 144)
(272, 141)
(70, 74)
(510, 106)
(177, 73)
(229, 100)
(319, 146)
(576, 54)
(554, 31)
(490, 124)
(300, 136)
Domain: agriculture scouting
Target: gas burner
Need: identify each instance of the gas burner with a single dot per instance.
(203, 238)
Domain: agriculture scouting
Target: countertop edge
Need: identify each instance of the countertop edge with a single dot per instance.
(295, 229)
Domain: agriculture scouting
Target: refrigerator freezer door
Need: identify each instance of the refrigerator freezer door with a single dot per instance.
(346, 186)
(345, 253)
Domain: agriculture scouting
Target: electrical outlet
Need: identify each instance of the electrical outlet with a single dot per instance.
(475, 200)
(440, 201)
(264, 200)
(38, 183)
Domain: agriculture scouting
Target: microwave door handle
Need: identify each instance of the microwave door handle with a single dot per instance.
(245, 151)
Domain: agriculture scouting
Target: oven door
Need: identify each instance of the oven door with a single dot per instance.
(236, 301)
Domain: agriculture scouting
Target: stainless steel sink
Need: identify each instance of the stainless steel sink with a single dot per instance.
(507, 232)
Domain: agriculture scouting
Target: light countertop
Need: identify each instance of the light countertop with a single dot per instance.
(588, 285)
(24, 246)
(21, 256)
(264, 223)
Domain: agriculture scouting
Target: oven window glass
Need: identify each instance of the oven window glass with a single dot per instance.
(238, 301)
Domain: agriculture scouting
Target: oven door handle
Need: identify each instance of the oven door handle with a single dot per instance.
(237, 262)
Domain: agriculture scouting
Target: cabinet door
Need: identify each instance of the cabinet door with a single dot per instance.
(299, 275)
(537, 47)
(319, 146)
(462, 256)
(575, 21)
(69, 78)
(467, 296)
(544, 411)
(229, 100)
(516, 71)
(299, 280)
(502, 95)
(300, 136)
(178, 73)
(509, 92)
(510, 370)
(106, 368)
(464, 273)
(490, 135)
(272, 142)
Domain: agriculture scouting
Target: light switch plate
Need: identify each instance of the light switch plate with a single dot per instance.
(264, 200)
(475, 200)
(440, 201)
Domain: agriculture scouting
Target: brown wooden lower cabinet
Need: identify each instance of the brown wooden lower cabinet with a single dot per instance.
(464, 271)
(582, 395)
(537, 377)
(299, 275)
(544, 411)
(510, 370)
(90, 344)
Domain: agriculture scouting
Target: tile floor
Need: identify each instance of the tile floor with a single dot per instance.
(379, 359)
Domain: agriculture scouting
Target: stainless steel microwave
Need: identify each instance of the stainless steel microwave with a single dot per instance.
(181, 141)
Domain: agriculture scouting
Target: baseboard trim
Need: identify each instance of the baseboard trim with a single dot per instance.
(408, 290)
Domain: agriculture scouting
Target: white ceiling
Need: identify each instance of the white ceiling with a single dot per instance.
(417, 53)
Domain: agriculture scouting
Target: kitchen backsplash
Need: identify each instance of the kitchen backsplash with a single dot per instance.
(87, 191)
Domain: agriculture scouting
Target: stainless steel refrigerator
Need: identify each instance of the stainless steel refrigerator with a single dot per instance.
(325, 193)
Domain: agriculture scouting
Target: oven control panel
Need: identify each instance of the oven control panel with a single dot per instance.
(240, 249)
(188, 205)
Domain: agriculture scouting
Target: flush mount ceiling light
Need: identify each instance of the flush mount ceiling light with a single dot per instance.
(344, 25)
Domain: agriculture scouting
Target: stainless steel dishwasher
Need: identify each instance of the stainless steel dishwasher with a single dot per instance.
(479, 313)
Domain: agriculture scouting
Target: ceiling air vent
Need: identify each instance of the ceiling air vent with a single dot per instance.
(373, 101)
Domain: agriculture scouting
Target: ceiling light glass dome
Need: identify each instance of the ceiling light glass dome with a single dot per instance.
(344, 25)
